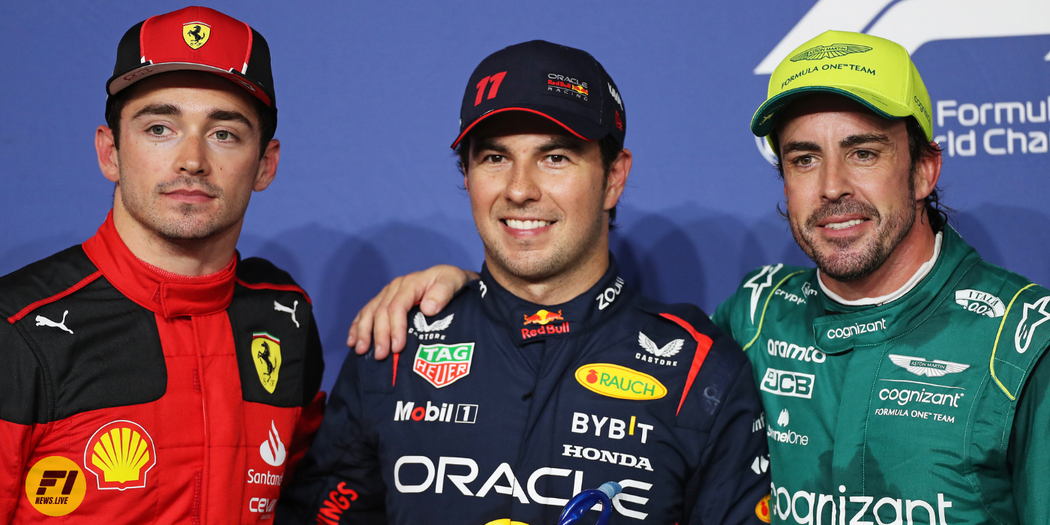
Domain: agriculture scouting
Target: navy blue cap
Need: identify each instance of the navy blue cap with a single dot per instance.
(564, 84)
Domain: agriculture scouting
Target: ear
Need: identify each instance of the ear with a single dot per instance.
(927, 173)
(106, 149)
(618, 172)
(268, 165)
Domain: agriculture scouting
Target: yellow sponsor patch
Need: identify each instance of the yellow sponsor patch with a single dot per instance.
(506, 521)
(55, 486)
(762, 509)
(620, 382)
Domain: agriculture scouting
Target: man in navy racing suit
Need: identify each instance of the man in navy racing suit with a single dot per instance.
(548, 375)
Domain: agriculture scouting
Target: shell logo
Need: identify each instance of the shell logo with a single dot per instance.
(620, 382)
(119, 455)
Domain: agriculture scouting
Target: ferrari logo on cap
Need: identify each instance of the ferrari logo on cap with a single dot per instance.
(832, 51)
(266, 352)
(196, 34)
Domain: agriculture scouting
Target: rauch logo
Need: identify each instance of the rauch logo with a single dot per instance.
(620, 382)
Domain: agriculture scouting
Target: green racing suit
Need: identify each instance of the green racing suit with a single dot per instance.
(927, 409)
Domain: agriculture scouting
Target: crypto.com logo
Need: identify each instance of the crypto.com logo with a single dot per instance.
(907, 22)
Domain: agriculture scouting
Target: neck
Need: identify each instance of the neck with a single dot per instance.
(913, 251)
(557, 289)
(190, 258)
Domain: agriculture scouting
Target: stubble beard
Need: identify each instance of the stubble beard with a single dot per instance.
(564, 256)
(850, 260)
(184, 221)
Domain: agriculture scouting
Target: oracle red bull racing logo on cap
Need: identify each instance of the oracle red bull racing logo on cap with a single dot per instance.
(620, 382)
(542, 318)
(442, 365)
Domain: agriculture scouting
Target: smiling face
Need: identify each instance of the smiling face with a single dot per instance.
(852, 197)
(540, 201)
(188, 160)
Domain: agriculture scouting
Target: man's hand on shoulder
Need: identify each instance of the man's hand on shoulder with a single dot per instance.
(384, 320)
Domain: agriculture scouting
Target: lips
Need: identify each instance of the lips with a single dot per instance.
(189, 195)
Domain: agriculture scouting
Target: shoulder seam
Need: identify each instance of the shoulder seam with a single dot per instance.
(37, 304)
(271, 286)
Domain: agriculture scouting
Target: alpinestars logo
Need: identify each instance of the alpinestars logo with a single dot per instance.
(423, 331)
(1034, 315)
(762, 280)
(922, 367)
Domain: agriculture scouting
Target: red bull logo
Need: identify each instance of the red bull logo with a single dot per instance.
(543, 317)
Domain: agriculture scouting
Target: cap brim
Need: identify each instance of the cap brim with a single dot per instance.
(768, 113)
(120, 82)
(583, 130)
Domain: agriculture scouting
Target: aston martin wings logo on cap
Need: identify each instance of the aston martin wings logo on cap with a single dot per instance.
(922, 367)
(196, 34)
(832, 51)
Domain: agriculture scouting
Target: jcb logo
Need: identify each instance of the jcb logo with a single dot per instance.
(785, 383)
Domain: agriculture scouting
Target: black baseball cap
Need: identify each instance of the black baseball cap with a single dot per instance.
(195, 39)
(564, 84)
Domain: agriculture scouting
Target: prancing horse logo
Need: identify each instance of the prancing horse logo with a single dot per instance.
(196, 34)
(266, 353)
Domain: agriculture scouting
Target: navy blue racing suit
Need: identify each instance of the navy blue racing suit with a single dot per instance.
(501, 410)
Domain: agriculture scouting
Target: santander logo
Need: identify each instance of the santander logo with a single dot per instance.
(272, 450)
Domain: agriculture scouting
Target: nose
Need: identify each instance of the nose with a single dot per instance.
(193, 157)
(835, 180)
(522, 186)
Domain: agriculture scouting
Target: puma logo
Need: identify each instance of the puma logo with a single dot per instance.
(44, 321)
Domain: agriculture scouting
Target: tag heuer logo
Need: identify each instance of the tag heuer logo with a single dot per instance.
(442, 365)
(196, 34)
(266, 353)
(922, 367)
(832, 51)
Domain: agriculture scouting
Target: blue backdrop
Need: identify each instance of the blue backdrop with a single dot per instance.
(369, 97)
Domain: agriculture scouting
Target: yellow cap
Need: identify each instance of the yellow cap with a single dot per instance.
(874, 71)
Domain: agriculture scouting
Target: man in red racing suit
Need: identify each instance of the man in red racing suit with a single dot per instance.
(150, 375)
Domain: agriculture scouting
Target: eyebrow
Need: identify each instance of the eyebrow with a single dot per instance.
(798, 145)
(235, 116)
(157, 109)
(171, 109)
(866, 138)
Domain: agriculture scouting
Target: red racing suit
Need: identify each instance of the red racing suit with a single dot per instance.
(132, 395)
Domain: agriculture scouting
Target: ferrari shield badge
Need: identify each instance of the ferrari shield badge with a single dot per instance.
(266, 353)
(196, 34)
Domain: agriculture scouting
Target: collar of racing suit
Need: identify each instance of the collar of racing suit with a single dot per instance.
(839, 328)
(164, 293)
(531, 322)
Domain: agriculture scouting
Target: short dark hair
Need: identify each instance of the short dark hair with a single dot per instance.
(267, 121)
(918, 147)
(608, 147)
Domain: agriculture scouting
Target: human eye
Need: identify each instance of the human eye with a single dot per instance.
(225, 135)
(865, 154)
(158, 130)
(803, 160)
(493, 159)
(557, 159)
